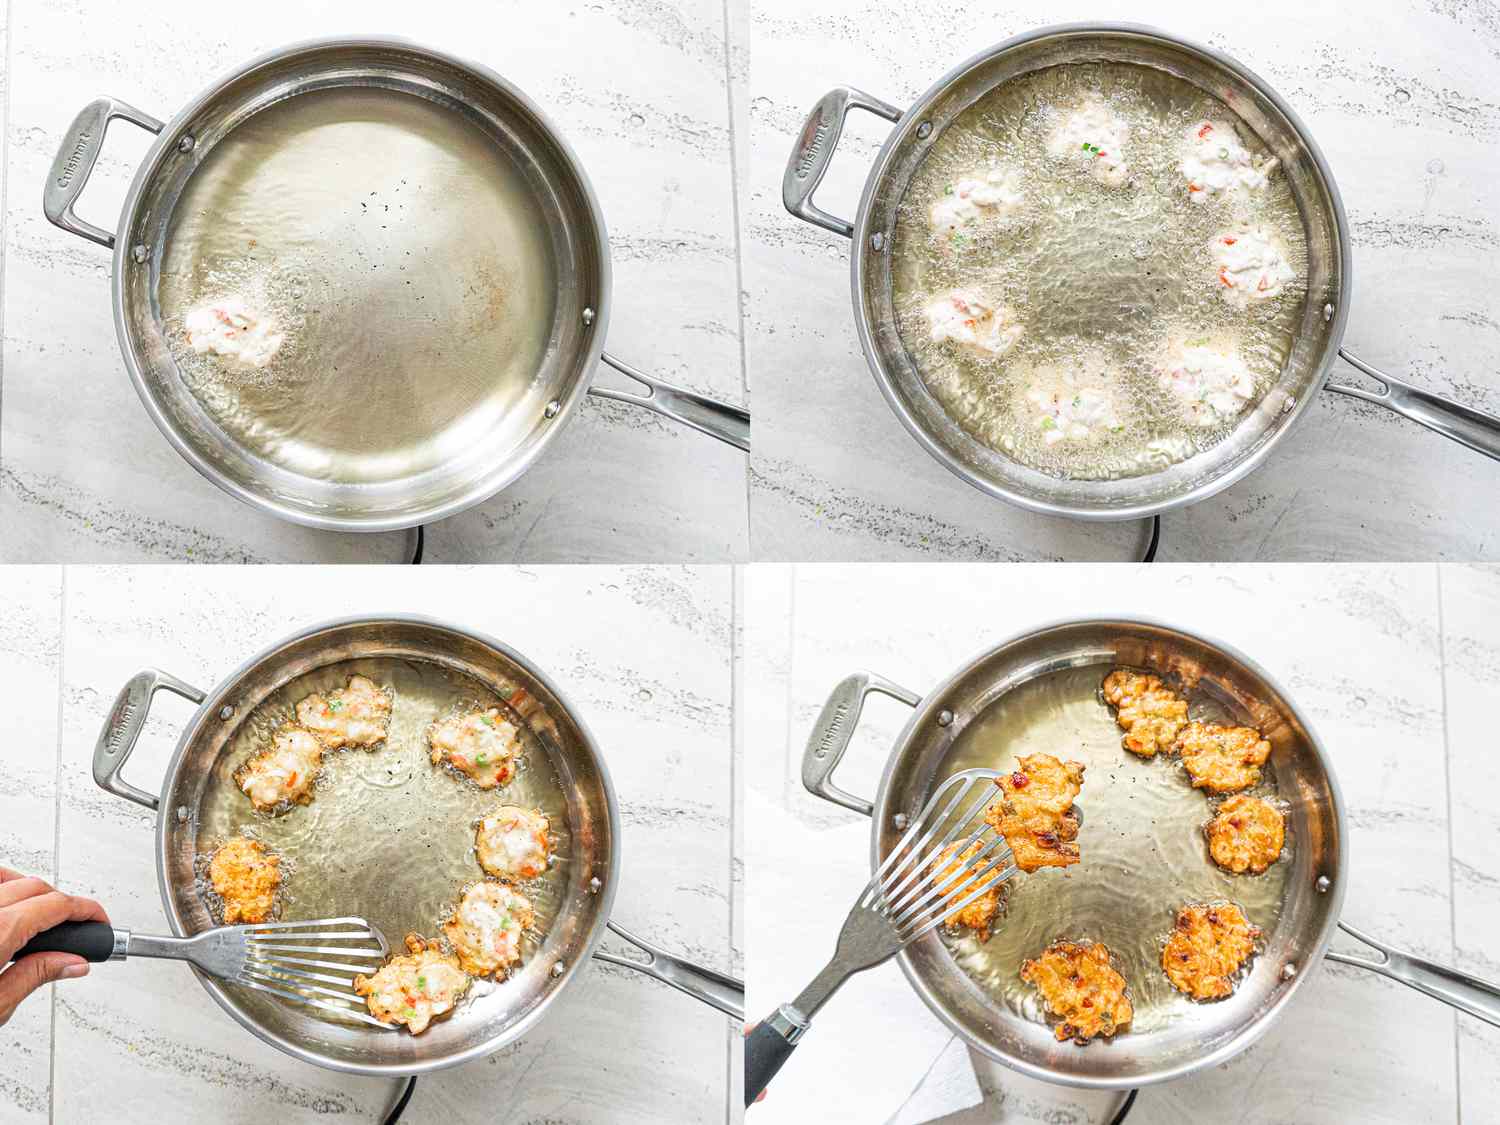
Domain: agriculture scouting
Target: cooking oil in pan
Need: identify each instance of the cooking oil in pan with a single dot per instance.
(403, 256)
(1141, 839)
(1102, 279)
(388, 836)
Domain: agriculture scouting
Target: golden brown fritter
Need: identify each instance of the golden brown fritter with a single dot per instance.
(1149, 712)
(512, 843)
(1035, 811)
(1222, 759)
(980, 913)
(1081, 987)
(1247, 835)
(1207, 946)
(282, 776)
(358, 714)
(414, 988)
(245, 876)
(486, 928)
(481, 744)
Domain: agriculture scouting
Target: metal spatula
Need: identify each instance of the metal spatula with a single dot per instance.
(312, 962)
(912, 891)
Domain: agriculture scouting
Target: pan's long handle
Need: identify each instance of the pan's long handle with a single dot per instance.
(814, 149)
(1441, 982)
(835, 727)
(126, 720)
(1464, 424)
(75, 161)
(700, 982)
(722, 420)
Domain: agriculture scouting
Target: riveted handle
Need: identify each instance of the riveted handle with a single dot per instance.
(1464, 424)
(814, 149)
(75, 162)
(127, 718)
(712, 987)
(722, 420)
(835, 727)
(1453, 987)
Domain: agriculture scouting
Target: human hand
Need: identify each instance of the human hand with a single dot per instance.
(27, 907)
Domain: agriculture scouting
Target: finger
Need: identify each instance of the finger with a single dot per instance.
(30, 973)
(27, 886)
(32, 916)
(6, 875)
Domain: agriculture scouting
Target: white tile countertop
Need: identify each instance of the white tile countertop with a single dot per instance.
(641, 90)
(1395, 666)
(1402, 101)
(644, 654)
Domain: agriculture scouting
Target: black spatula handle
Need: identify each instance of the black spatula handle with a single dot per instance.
(93, 941)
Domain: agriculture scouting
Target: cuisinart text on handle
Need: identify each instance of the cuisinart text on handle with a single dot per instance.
(811, 148)
(835, 725)
(75, 158)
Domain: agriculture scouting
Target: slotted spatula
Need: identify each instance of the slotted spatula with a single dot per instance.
(312, 962)
(911, 892)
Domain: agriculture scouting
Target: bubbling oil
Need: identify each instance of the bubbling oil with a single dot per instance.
(1143, 850)
(1088, 268)
(388, 836)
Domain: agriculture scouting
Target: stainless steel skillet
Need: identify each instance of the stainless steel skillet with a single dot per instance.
(481, 443)
(1320, 338)
(584, 896)
(1298, 929)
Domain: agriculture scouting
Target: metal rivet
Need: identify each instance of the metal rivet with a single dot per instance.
(552, 408)
(900, 820)
(944, 718)
(1323, 883)
(877, 242)
(1286, 407)
(924, 130)
(594, 885)
(588, 316)
(182, 814)
(226, 712)
(1288, 971)
(187, 144)
(558, 970)
(138, 252)
(1327, 313)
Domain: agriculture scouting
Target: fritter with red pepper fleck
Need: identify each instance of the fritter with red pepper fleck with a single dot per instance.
(1082, 988)
(1150, 713)
(283, 776)
(1207, 946)
(414, 988)
(980, 913)
(1246, 835)
(1035, 811)
(1222, 759)
(480, 744)
(357, 714)
(245, 876)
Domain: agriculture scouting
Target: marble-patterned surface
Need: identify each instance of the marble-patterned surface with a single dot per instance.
(1402, 100)
(640, 89)
(1395, 666)
(644, 654)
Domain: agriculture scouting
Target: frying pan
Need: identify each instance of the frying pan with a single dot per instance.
(440, 473)
(1319, 336)
(1296, 936)
(588, 880)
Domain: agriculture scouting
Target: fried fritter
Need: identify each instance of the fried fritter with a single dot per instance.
(512, 843)
(358, 714)
(1035, 811)
(414, 988)
(980, 913)
(1207, 946)
(245, 876)
(486, 928)
(282, 776)
(1247, 835)
(1222, 759)
(1150, 713)
(481, 744)
(1081, 987)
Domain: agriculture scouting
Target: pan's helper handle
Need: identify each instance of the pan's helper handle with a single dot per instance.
(835, 727)
(813, 152)
(700, 982)
(1457, 989)
(126, 720)
(722, 420)
(1464, 424)
(75, 161)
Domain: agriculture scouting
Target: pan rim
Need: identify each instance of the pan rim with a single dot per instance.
(999, 490)
(1247, 1034)
(501, 477)
(213, 700)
